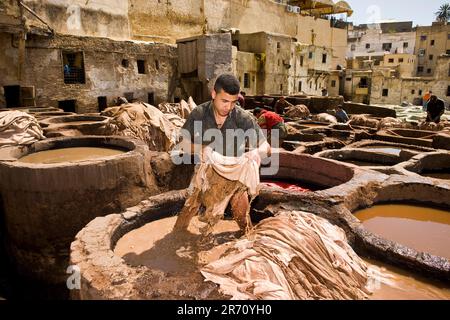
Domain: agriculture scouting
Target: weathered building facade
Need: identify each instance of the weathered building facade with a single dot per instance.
(400, 72)
(45, 66)
(431, 43)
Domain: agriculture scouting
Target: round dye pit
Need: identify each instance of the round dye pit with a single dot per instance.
(61, 184)
(433, 165)
(306, 171)
(362, 157)
(421, 228)
(70, 155)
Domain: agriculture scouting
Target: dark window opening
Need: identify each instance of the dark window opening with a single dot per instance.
(176, 100)
(448, 52)
(129, 96)
(278, 46)
(367, 45)
(348, 79)
(67, 105)
(419, 69)
(310, 55)
(299, 86)
(428, 70)
(281, 88)
(125, 63)
(423, 38)
(151, 98)
(333, 83)
(405, 44)
(387, 46)
(363, 83)
(430, 57)
(73, 67)
(420, 92)
(301, 61)
(413, 91)
(400, 60)
(391, 60)
(385, 92)
(235, 43)
(432, 42)
(141, 66)
(448, 91)
(324, 58)
(12, 96)
(246, 80)
(102, 103)
(157, 64)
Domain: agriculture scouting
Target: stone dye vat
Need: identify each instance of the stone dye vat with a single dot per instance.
(112, 269)
(422, 228)
(434, 165)
(73, 125)
(308, 171)
(405, 151)
(405, 136)
(48, 195)
(401, 240)
(375, 159)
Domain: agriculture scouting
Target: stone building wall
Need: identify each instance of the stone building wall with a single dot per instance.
(99, 18)
(107, 74)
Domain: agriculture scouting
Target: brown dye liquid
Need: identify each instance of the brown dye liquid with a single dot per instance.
(155, 245)
(402, 285)
(69, 155)
(364, 163)
(421, 228)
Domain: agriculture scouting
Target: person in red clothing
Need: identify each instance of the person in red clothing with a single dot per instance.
(271, 121)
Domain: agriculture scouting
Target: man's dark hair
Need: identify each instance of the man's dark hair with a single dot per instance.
(227, 83)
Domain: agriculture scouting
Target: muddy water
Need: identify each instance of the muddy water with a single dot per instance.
(424, 229)
(438, 175)
(394, 151)
(69, 155)
(397, 284)
(155, 246)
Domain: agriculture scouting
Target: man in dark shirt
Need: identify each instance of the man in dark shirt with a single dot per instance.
(227, 129)
(435, 109)
(223, 126)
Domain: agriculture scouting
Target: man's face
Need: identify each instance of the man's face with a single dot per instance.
(224, 103)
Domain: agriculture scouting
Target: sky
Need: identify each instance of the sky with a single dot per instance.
(421, 12)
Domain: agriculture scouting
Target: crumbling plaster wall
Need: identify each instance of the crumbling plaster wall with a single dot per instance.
(105, 75)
